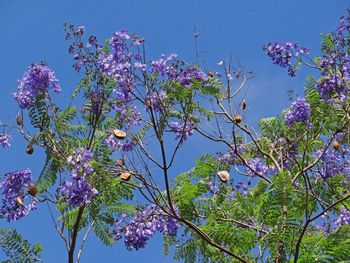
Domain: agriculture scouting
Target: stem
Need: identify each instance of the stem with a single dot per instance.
(75, 235)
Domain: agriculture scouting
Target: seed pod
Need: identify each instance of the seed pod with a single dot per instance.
(119, 134)
(32, 190)
(19, 120)
(120, 163)
(210, 74)
(237, 118)
(20, 201)
(30, 149)
(243, 104)
(336, 145)
(224, 176)
(125, 176)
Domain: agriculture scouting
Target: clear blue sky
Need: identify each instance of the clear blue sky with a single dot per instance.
(32, 30)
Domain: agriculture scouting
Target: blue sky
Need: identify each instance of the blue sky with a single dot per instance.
(32, 30)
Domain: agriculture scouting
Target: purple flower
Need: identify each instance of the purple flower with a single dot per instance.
(162, 65)
(156, 99)
(241, 187)
(79, 191)
(115, 144)
(332, 164)
(258, 165)
(186, 76)
(333, 86)
(299, 112)
(80, 161)
(5, 140)
(282, 55)
(143, 226)
(14, 194)
(230, 157)
(182, 130)
(343, 218)
(35, 82)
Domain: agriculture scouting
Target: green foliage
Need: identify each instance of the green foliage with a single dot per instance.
(17, 249)
(332, 249)
(48, 174)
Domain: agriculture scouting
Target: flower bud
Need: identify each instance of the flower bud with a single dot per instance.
(19, 120)
(30, 149)
(243, 104)
(32, 190)
(237, 118)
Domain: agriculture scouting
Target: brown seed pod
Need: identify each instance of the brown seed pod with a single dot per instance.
(237, 118)
(19, 120)
(336, 145)
(224, 176)
(119, 134)
(120, 163)
(125, 176)
(243, 104)
(30, 149)
(20, 201)
(32, 190)
(210, 74)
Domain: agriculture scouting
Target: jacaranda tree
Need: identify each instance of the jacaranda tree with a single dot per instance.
(279, 193)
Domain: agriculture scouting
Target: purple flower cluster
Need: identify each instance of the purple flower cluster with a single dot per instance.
(299, 112)
(182, 130)
(231, 157)
(5, 140)
(343, 218)
(215, 188)
(115, 144)
(126, 110)
(163, 65)
(143, 226)
(257, 165)
(155, 100)
(79, 191)
(167, 66)
(84, 54)
(35, 82)
(14, 194)
(333, 163)
(121, 63)
(282, 55)
(335, 64)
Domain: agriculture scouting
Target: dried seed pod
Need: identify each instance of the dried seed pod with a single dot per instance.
(336, 145)
(120, 163)
(20, 201)
(210, 74)
(30, 149)
(237, 118)
(224, 176)
(19, 120)
(125, 176)
(119, 134)
(32, 190)
(243, 104)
